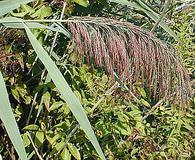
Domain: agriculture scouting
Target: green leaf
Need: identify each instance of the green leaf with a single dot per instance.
(27, 8)
(74, 151)
(8, 5)
(65, 155)
(39, 138)
(13, 22)
(7, 117)
(77, 93)
(32, 127)
(21, 91)
(83, 3)
(27, 99)
(145, 103)
(142, 92)
(188, 127)
(140, 5)
(42, 12)
(22, 14)
(65, 90)
(15, 94)
(62, 125)
(56, 105)
(66, 109)
(134, 113)
(26, 140)
(46, 99)
(54, 139)
(58, 147)
(123, 128)
(104, 79)
(134, 151)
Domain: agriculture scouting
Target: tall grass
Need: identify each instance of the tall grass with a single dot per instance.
(117, 46)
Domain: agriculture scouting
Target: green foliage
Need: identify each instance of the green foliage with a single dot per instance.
(8, 120)
(150, 12)
(186, 31)
(124, 128)
(9, 5)
(125, 132)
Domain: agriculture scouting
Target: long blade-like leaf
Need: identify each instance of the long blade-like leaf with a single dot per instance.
(154, 16)
(8, 5)
(149, 12)
(7, 117)
(65, 90)
(13, 22)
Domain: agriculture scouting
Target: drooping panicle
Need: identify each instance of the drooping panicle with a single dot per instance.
(132, 53)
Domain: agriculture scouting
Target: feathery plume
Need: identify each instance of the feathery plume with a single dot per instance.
(132, 53)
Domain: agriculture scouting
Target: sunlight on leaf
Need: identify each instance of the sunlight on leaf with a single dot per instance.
(7, 117)
(8, 5)
(139, 5)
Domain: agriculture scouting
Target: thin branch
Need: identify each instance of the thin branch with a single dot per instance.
(162, 15)
(157, 105)
(107, 93)
(185, 6)
(74, 130)
(35, 149)
(31, 108)
(125, 87)
(56, 34)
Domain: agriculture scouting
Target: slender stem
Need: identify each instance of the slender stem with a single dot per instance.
(56, 34)
(36, 150)
(74, 130)
(162, 15)
(157, 105)
(185, 6)
(108, 92)
(31, 109)
(38, 20)
(58, 21)
(125, 87)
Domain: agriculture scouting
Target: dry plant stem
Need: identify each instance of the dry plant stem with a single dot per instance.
(107, 93)
(33, 65)
(56, 34)
(36, 150)
(185, 6)
(125, 87)
(34, 99)
(74, 130)
(162, 15)
(31, 109)
(157, 105)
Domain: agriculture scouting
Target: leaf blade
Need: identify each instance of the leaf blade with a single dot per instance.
(65, 90)
(149, 12)
(9, 5)
(8, 119)
(13, 22)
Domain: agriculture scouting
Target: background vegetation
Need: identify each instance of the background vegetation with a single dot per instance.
(126, 127)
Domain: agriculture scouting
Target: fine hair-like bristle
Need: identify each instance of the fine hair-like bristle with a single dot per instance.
(132, 53)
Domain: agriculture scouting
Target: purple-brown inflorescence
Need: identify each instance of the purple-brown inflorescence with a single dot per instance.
(132, 53)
